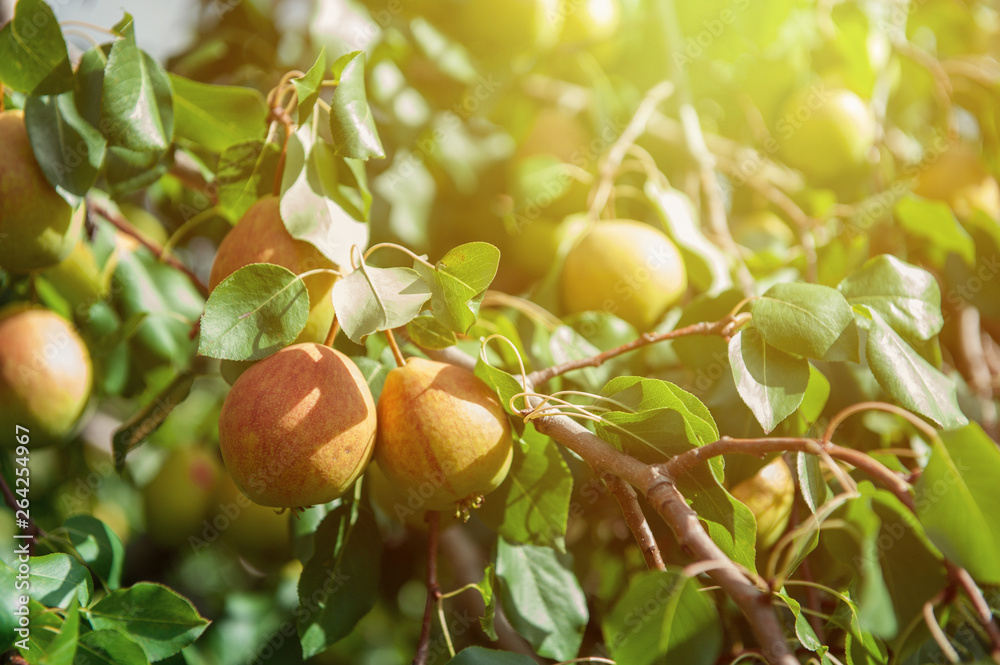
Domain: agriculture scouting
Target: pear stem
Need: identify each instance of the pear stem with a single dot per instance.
(332, 334)
(400, 360)
(433, 590)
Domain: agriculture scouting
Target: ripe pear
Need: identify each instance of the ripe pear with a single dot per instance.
(825, 132)
(959, 178)
(769, 495)
(261, 237)
(297, 428)
(625, 268)
(45, 373)
(442, 435)
(37, 227)
(180, 494)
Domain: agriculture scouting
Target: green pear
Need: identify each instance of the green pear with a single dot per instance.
(443, 437)
(624, 268)
(825, 133)
(258, 533)
(45, 373)
(261, 237)
(178, 497)
(297, 428)
(37, 227)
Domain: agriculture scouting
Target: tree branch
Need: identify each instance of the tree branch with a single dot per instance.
(126, 227)
(722, 327)
(636, 521)
(10, 499)
(433, 590)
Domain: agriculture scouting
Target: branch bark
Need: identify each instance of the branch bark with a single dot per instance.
(636, 521)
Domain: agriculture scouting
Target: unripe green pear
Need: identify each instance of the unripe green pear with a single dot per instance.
(177, 499)
(37, 227)
(297, 428)
(762, 230)
(825, 133)
(261, 237)
(769, 495)
(625, 268)
(442, 434)
(45, 373)
(959, 178)
(259, 533)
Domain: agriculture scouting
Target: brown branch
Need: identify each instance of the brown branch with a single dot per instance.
(433, 590)
(10, 499)
(126, 227)
(636, 521)
(187, 173)
(960, 577)
(722, 327)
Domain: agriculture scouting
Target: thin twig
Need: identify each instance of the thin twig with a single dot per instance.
(636, 521)
(433, 590)
(396, 353)
(125, 227)
(721, 327)
(33, 529)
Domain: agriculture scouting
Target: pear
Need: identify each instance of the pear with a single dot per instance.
(399, 506)
(179, 495)
(624, 268)
(37, 227)
(261, 237)
(297, 428)
(45, 373)
(959, 177)
(443, 437)
(769, 494)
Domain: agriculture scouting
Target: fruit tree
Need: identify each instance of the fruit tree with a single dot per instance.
(498, 333)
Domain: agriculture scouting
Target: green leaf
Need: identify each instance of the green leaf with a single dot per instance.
(486, 588)
(371, 299)
(935, 223)
(481, 656)
(351, 121)
(532, 504)
(429, 333)
(956, 500)
(59, 579)
(217, 116)
(664, 617)
(150, 417)
(908, 378)
(137, 101)
(129, 170)
(813, 403)
(245, 174)
(307, 87)
(814, 489)
(707, 265)
(807, 320)
(339, 584)
(98, 546)
(67, 147)
(771, 382)
(324, 199)
(254, 312)
(108, 647)
(156, 618)
(907, 297)
(803, 631)
(542, 598)
(46, 630)
(505, 385)
(33, 57)
(875, 611)
(459, 281)
(62, 649)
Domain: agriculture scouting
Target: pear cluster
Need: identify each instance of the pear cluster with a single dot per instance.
(299, 427)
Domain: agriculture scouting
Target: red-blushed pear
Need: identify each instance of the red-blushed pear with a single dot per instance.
(625, 268)
(261, 237)
(45, 373)
(37, 227)
(769, 494)
(442, 435)
(297, 428)
(178, 497)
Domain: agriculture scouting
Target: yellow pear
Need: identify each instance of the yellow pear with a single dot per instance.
(959, 178)
(178, 498)
(297, 428)
(624, 268)
(45, 373)
(37, 227)
(769, 495)
(261, 237)
(443, 438)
